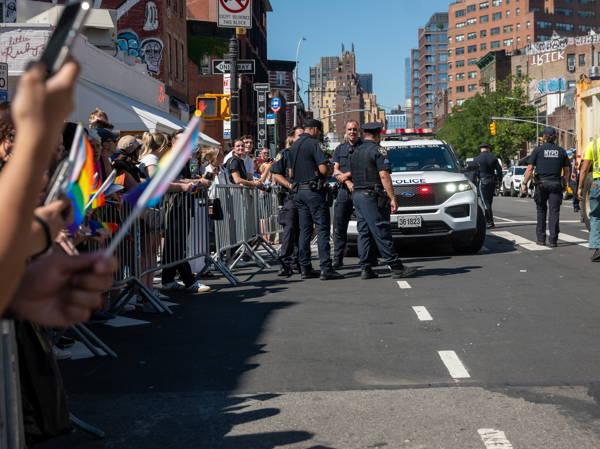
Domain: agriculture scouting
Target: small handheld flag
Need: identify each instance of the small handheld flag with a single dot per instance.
(82, 182)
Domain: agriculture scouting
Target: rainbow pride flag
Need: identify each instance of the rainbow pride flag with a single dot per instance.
(97, 225)
(81, 186)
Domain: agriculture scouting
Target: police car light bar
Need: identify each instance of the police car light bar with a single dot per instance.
(409, 131)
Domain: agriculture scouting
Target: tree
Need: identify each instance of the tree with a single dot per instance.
(467, 126)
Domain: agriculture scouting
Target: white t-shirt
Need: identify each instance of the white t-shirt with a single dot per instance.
(249, 163)
(147, 161)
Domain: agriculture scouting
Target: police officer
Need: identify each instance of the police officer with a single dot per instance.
(374, 200)
(490, 173)
(309, 168)
(551, 164)
(288, 213)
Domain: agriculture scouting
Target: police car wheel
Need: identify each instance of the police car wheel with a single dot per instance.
(473, 245)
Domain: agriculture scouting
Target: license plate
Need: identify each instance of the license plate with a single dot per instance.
(410, 221)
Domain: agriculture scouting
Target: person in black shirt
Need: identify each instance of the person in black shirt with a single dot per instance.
(551, 164)
(237, 168)
(309, 169)
(490, 173)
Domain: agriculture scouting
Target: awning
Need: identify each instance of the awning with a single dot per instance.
(125, 113)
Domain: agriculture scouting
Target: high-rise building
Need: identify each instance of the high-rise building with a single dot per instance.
(477, 27)
(396, 119)
(319, 75)
(366, 82)
(407, 94)
(415, 89)
(430, 74)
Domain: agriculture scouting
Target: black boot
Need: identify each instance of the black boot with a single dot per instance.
(403, 272)
(368, 273)
(331, 275)
(338, 263)
(285, 272)
(308, 273)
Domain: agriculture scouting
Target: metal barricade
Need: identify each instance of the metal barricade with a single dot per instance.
(11, 416)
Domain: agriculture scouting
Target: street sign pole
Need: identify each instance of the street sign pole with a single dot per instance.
(276, 131)
(234, 104)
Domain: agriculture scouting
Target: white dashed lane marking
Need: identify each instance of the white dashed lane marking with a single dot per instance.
(521, 241)
(494, 439)
(453, 364)
(403, 284)
(422, 313)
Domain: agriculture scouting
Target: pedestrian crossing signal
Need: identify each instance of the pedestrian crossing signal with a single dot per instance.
(493, 130)
(213, 106)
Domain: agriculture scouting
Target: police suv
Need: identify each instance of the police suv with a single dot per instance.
(435, 199)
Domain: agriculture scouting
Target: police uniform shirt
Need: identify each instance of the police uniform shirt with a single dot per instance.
(237, 165)
(549, 160)
(374, 155)
(488, 165)
(281, 164)
(341, 155)
(305, 157)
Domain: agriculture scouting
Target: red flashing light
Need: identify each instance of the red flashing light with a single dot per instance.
(413, 131)
(424, 189)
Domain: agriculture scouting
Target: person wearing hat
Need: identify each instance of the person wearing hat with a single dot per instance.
(551, 164)
(490, 173)
(374, 201)
(308, 169)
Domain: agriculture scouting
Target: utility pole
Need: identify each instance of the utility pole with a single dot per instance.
(234, 105)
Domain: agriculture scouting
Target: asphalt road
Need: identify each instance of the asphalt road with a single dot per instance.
(496, 350)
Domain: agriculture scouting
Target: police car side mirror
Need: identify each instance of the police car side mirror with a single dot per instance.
(462, 164)
(471, 167)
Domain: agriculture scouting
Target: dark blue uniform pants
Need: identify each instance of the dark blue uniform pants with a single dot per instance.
(342, 212)
(312, 209)
(374, 220)
(486, 188)
(548, 197)
(288, 219)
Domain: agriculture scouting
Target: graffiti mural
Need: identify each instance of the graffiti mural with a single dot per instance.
(151, 22)
(128, 43)
(10, 11)
(151, 52)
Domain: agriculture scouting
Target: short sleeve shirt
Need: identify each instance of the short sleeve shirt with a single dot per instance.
(147, 161)
(307, 155)
(281, 163)
(341, 156)
(379, 157)
(237, 165)
(592, 153)
(549, 160)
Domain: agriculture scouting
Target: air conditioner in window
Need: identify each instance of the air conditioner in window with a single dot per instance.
(595, 73)
(571, 68)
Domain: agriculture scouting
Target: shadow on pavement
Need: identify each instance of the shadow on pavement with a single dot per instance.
(428, 272)
(174, 383)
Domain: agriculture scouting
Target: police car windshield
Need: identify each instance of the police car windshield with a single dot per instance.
(519, 170)
(433, 157)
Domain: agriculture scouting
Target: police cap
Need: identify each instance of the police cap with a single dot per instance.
(372, 127)
(312, 123)
(550, 132)
(485, 145)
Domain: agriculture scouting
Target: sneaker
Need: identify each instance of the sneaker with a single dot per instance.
(61, 354)
(175, 286)
(199, 288)
(330, 275)
(552, 244)
(285, 272)
(404, 272)
(159, 295)
(368, 274)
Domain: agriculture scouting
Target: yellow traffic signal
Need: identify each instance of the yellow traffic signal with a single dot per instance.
(493, 129)
(213, 106)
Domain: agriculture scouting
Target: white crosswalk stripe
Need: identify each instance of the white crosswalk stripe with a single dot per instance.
(571, 239)
(521, 241)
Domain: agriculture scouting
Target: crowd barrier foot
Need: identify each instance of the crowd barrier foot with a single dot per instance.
(267, 246)
(246, 249)
(134, 286)
(86, 427)
(224, 269)
(93, 342)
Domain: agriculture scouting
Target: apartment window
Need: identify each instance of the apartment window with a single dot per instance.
(460, 63)
(460, 76)
(508, 42)
(471, 8)
(484, 19)
(473, 75)
(472, 36)
(497, 16)
(181, 61)
(494, 31)
(473, 61)
(170, 49)
(174, 51)
(543, 25)
(460, 38)
(519, 71)
(585, 28)
(460, 89)
(472, 21)
(563, 12)
(518, 26)
(483, 33)
(496, 2)
(459, 13)
(495, 44)
(472, 87)
(508, 13)
(449, 39)
(564, 27)
(528, 25)
(586, 13)
(460, 102)
(484, 5)
(450, 78)
(472, 48)
(582, 60)
(507, 29)
(483, 47)
(460, 25)
(517, 11)
(460, 51)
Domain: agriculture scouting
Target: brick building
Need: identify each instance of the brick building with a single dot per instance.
(281, 79)
(479, 26)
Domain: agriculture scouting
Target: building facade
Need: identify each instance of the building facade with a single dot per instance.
(320, 74)
(396, 119)
(366, 82)
(414, 120)
(477, 27)
(430, 75)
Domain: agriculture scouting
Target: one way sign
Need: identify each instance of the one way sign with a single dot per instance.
(244, 66)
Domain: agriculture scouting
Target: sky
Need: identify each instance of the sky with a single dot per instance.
(383, 32)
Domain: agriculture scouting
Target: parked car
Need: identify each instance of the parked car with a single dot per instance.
(511, 182)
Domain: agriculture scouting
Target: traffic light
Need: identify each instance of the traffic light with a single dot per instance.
(213, 106)
(493, 130)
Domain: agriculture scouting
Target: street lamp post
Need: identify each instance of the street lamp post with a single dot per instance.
(302, 39)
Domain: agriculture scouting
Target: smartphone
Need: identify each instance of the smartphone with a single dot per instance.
(59, 45)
